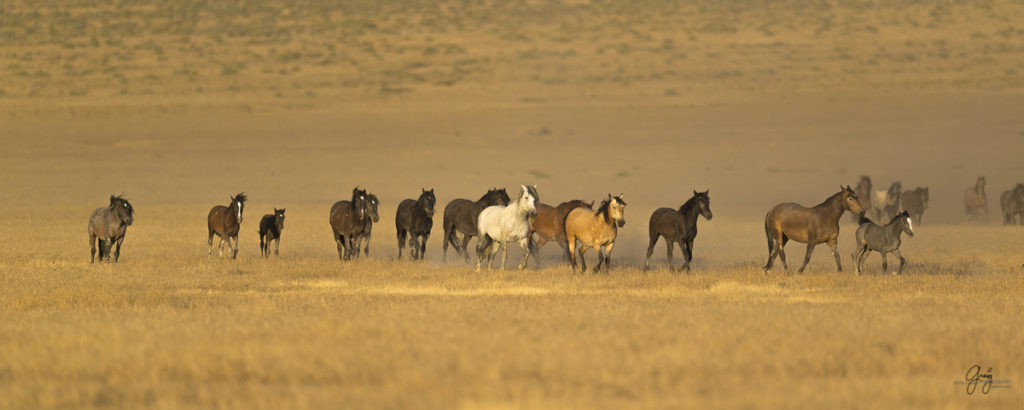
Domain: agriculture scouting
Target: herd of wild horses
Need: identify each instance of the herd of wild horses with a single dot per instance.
(499, 221)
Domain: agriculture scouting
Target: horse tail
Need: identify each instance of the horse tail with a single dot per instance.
(565, 232)
(768, 234)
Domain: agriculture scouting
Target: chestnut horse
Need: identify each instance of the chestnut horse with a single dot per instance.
(812, 226)
(224, 221)
(548, 225)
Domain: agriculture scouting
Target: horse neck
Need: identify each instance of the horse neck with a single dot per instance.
(689, 211)
(893, 228)
(518, 206)
(833, 206)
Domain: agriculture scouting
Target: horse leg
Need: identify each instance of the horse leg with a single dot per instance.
(570, 244)
(535, 247)
(263, 249)
(858, 257)
(504, 255)
(608, 256)
(782, 252)
(340, 239)
(117, 252)
(583, 258)
(687, 254)
(885, 263)
(414, 246)
(210, 241)
(525, 244)
(807, 256)
(902, 261)
(366, 250)
(92, 248)
(483, 245)
(220, 248)
(423, 245)
(671, 248)
(444, 243)
(650, 250)
(600, 258)
(277, 244)
(401, 242)
(465, 246)
(234, 249)
(834, 245)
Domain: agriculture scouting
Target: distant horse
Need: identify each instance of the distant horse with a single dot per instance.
(499, 225)
(224, 221)
(863, 191)
(460, 216)
(548, 225)
(886, 202)
(678, 226)
(349, 219)
(975, 200)
(108, 225)
(271, 226)
(1012, 203)
(371, 217)
(415, 218)
(812, 226)
(595, 229)
(915, 202)
(882, 239)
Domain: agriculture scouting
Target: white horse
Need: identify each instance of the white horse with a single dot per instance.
(504, 224)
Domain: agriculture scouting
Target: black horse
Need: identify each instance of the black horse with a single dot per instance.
(882, 239)
(108, 225)
(460, 217)
(678, 226)
(414, 219)
(271, 226)
(915, 202)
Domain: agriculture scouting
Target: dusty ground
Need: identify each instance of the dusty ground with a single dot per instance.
(761, 104)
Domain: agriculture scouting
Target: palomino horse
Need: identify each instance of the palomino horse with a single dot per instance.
(915, 202)
(1012, 203)
(595, 229)
(812, 226)
(271, 226)
(886, 203)
(415, 218)
(371, 217)
(224, 221)
(460, 216)
(499, 225)
(678, 227)
(975, 200)
(882, 239)
(863, 191)
(108, 225)
(349, 219)
(548, 225)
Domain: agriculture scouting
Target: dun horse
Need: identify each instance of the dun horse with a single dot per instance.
(915, 202)
(500, 225)
(863, 191)
(415, 218)
(886, 203)
(678, 227)
(224, 221)
(271, 226)
(108, 225)
(348, 221)
(882, 239)
(975, 200)
(1012, 203)
(371, 217)
(548, 225)
(595, 229)
(812, 226)
(460, 216)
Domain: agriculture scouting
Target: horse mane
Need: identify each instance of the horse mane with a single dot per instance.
(690, 203)
(241, 197)
(603, 210)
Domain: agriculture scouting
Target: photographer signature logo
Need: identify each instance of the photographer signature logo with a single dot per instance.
(976, 380)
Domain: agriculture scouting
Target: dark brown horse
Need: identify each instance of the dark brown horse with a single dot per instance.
(271, 226)
(915, 202)
(415, 218)
(108, 225)
(1012, 204)
(225, 221)
(863, 191)
(812, 226)
(460, 216)
(547, 225)
(678, 227)
(371, 217)
(975, 199)
(349, 219)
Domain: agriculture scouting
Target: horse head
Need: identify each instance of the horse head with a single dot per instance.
(427, 201)
(496, 196)
(616, 209)
(359, 202)
(238, 202)
(850, 201)
(371, 207)
(703, 203)
(528, 199)
(905, 223)
(279, 218)
(122, 209)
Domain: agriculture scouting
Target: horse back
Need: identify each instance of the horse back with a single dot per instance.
(462, 214)
(589, 227)
(339, 212)
(666, 222)
(404, 214)
(102, 225)
(800, 223)
(267, 224)
(220, 221)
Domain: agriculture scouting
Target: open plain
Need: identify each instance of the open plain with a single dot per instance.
(181, 104)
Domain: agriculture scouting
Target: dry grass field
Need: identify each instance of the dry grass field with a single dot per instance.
(181, 104)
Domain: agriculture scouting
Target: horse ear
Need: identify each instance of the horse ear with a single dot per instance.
(695, 192)
(113, 199)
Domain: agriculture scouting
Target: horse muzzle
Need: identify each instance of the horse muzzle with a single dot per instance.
(708, 216)
(621, 223)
